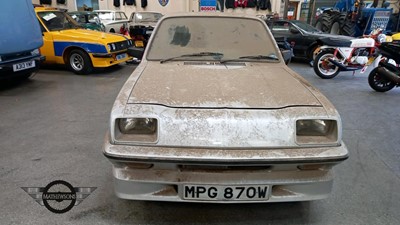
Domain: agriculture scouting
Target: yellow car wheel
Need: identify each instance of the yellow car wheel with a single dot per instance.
(79, 62)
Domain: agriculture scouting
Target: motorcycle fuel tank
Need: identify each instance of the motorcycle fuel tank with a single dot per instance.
(362, 43)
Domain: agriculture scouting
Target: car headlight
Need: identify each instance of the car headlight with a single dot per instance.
(316, 131)
(137, 125)
(0, 59)
(111, 47)
(35, 52)
(136, 129)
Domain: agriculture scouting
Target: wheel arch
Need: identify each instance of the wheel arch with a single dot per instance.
(312, 47)
(68, 49)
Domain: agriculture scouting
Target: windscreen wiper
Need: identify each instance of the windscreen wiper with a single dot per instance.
(199, 54)
(269, 57)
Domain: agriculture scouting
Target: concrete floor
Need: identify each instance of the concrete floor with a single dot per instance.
(52, 127)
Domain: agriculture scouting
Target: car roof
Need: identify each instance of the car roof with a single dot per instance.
(82, 12)
(147, 12)
(106, 10)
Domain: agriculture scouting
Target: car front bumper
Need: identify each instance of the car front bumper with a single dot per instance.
(109, 59)
(6, 68)
(160, 173)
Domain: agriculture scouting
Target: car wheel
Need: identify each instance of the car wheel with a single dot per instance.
(378, 82)
(323, 68)
(311, 54)
(79, 62)
(112, 30)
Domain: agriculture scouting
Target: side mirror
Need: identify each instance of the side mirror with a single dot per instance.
(136, 52)
(294, 30)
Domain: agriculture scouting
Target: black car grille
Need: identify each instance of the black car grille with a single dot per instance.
(119, 46)
(19, 55)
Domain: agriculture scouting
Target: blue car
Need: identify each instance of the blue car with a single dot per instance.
(21, 39)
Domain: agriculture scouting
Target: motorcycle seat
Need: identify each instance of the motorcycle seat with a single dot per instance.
(335, 42)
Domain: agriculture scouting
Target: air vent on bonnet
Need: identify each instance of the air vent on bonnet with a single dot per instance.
(214, 63)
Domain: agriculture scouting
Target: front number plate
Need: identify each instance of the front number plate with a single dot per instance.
(226, 193)
(121, 56)
(23, 66)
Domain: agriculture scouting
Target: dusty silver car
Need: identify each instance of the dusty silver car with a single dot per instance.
(212, 114)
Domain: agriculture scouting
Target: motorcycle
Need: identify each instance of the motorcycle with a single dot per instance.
(386, 75)
(137, 33)
(347, 55)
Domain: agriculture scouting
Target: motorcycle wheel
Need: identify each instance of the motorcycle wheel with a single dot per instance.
(323, 68)
(378, 82)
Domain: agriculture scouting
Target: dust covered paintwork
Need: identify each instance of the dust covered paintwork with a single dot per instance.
(229, 124)
(244, 87)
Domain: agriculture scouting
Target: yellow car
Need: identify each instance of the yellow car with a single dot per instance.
(65, 42)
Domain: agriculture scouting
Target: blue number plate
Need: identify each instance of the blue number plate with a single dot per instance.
(121, 56)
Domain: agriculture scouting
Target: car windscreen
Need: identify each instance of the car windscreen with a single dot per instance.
(305, 26)
(230, 37)
(105, 15)
(147, 17)
(55, 21)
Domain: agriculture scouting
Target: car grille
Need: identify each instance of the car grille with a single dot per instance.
(119, 46)
(10, 57)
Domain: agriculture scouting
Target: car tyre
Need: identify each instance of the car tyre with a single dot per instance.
(322, 68)
(79, 62)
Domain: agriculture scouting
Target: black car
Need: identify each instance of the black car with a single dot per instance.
(303, 38)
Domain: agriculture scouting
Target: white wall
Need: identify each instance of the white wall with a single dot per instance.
(152, 5)
(173, 6)
(70, 5)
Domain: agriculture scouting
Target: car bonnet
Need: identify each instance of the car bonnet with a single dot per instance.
(220, 86)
